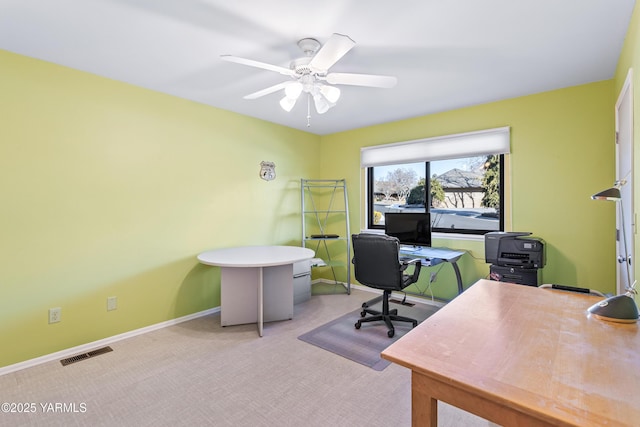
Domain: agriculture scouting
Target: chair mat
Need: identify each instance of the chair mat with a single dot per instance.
(364, 345)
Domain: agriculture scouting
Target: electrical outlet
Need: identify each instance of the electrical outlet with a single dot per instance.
(55, 315)
(112, 303)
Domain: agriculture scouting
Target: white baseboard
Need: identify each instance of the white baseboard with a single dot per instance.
(100, 343)
(106, 341)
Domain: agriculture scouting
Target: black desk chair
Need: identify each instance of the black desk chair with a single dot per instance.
(377, 265)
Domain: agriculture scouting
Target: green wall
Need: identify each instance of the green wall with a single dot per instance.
(630, 58)
(112, 190)
(562, 151)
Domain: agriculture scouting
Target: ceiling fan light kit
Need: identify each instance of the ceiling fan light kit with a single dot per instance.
(332, 93)
(293, 90)
(287, 103)
(309, 75)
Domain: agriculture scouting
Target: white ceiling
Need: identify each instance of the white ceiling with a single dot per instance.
(446, 54)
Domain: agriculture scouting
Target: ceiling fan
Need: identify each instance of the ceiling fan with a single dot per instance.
(310, 74)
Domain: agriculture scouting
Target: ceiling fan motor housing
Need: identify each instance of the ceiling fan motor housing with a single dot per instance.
(301, 67)
(309, 46)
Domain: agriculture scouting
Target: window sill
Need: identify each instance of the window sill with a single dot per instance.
(454, 236)
(446, 236)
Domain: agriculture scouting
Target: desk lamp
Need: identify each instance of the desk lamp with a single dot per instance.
(619, 308)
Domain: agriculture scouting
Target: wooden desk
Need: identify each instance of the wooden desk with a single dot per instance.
(523, 356)
(256, 282)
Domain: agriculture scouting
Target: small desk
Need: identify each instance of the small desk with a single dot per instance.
(435, 256)
(523, 356)
(256, 282)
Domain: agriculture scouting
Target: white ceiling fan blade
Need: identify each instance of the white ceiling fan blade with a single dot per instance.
(371, 80)
(334, 49)
(258, 64)
(268, 90)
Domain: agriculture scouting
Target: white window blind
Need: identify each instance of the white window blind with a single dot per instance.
(485, 142)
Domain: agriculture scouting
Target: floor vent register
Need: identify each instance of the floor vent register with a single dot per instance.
(84, 356)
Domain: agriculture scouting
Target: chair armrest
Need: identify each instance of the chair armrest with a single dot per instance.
(405, 260)
(417, 264)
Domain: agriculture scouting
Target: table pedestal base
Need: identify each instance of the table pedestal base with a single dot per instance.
(256, 295)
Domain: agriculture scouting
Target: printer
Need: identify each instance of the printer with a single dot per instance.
(514, 249)
(515, 257)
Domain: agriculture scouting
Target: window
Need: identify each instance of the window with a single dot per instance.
(464, 191)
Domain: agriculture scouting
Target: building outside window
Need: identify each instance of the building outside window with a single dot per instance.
(464, 195)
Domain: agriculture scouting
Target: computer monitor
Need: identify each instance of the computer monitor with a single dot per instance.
(410, 228)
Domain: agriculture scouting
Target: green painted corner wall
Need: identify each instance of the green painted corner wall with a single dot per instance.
(562, 151)
(112, 190)
(630, 59)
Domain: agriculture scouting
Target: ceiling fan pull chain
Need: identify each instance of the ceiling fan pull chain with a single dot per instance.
(309, 110)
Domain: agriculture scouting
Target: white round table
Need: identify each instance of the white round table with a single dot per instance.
(256, 282)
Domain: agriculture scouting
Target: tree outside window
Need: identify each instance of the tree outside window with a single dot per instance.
(465, 195)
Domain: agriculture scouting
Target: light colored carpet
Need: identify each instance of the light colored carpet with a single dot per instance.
(198, 373)
(364, 345)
